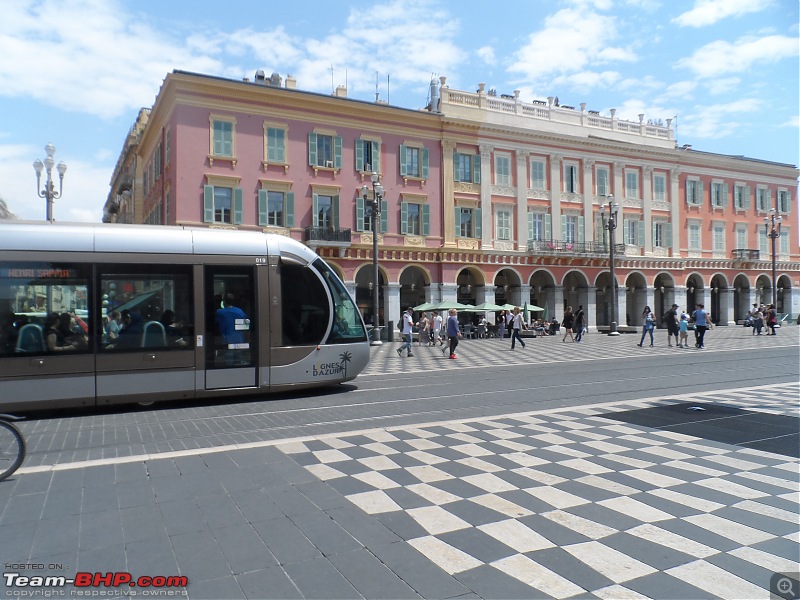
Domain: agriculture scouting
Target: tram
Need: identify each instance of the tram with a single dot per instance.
(94, 315)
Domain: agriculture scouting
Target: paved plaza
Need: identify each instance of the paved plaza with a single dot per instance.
(560, 503)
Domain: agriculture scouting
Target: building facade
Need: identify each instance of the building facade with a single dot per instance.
(486, 198)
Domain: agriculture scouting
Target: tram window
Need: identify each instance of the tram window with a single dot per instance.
(146, 306)
(44, 308)
(347, 324)
(304, 305)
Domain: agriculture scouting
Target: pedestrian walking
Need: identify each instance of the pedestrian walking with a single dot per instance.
(408, 326)
(423, 327)
(453, 332)
(649, 325)
(501, 325)
(517, 324)
(568, 322)
(436, 336)
(672, 322)
(579, 323)
(683, 329)
(772, 319)
(700, 318)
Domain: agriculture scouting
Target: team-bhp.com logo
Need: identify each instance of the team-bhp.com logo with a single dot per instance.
(87, 584)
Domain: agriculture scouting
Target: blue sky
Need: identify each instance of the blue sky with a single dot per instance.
(75, 72)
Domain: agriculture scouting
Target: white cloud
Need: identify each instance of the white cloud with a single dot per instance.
(708, 12)
(680, 90)
(487, 55)
(570, 41)
(585, 81)
(718, 120)
(722, 57)
(722, 85)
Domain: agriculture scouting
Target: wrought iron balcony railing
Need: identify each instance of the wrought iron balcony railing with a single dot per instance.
(745, 254)
(556, 247)
(327, 234)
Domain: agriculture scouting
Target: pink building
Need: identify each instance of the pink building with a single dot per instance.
(486, 198)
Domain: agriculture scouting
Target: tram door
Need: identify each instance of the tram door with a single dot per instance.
(231, 326)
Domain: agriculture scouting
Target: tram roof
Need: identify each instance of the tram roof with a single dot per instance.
(144, 239)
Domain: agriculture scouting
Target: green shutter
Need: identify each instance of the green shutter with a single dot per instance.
(335, 202)
(424, 159)
(699, 193)
(314, 210)
(478, 223)
(359, 214)
(404, 218)
(458, 220)
(426, 219)
(668, 235)
(747, 197)
(625, 229)
(530, 225)
(337, 152)
(688, 195)
(275, 146)
(641, 233)
(581, 229)
(476, 168)
(403, 165)
(724, 195)
(376, 157)
(548, 230)
(563, 227)
(237, 205)
(289, 209)
(262, 208)
(384, 216)
(769, 200)
(654, 229)
(208, 204)
(455, 166)
(359, 155)
(312, 150)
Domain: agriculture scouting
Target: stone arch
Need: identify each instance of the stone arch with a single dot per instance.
(414, 283)
(365, 284)
(575, 286)
(468, 280)
(636, 293)
(507, 286)
(784, 295)
(719, 299)
(543, 291)
(695, 288)
(603, 299)
(741, 297)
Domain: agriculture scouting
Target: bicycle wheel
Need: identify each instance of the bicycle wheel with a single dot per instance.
(12, 449)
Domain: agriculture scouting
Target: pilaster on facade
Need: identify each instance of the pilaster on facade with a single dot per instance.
(618, 191)
(392, 311)
(555, 196)
(521, 217)
(647, 209)
(674, 210)
(448, 194)
(487, 231)
(449, 292)
(588, 200)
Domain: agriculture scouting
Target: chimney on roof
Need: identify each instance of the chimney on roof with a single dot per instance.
(260, 77)
(341, 91)
(275, 80)
(291, 82)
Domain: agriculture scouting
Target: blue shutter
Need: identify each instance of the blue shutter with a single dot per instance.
(699, 193)
(424, 159)
(335, 202)
(668, 235)
(725, 195)
(359, 214)
(476, 168)
(477, 223)
(312, 150)
(403, 218)
(426, 219)
(208, 204)
(581, 227)
(376, 157)
(359, 155)
(458, 220)
(747, 197)
(384, 216)
(237, 205)
(403, 166)
(289, 209)
(641, 234)
(548, 233)
(314, 210)
(530, 225)
(262, 208)
(337, 152)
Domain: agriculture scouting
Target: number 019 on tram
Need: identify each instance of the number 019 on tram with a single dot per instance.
(106, 314)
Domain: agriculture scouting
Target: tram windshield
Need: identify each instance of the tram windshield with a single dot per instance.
(348, 326)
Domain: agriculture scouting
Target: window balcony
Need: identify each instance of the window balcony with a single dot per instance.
(745, 255)
(562, 248)
(327, 237)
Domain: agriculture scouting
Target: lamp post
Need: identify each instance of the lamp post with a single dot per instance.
(375, 204)
(773, 233)
(610, 226)
(49, 191)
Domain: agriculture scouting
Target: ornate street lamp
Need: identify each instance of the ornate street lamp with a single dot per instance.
(49, 191)
(375, 204)
(773, 234)
(610, 226)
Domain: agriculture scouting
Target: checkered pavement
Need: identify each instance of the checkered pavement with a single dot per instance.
(479, 353)
(569, 503)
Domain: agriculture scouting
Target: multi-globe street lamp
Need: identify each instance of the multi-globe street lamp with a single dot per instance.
(772, 229)
(610, 225)
(49, 191)
(375, 205)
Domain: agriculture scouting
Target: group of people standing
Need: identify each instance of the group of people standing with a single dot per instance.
(677, 326)
(762, 317)
(430, 331)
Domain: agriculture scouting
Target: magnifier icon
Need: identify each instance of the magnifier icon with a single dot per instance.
(785, 587)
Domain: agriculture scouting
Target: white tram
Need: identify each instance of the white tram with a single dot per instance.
(107, 314)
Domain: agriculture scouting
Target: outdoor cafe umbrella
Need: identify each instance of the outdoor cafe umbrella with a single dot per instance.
(425, 306)
(448, 304)
(486, 306)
